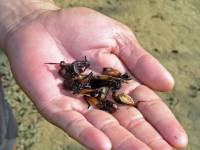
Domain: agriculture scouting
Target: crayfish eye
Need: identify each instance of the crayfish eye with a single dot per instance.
(62, 64)
(87, 63)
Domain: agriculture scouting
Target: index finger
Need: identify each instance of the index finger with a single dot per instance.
(143, 65)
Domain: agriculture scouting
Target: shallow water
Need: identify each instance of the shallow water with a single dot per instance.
(169, 30)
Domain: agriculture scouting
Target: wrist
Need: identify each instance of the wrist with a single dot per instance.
(14, 14)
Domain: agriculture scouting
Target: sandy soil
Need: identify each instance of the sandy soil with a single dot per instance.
(168, 29)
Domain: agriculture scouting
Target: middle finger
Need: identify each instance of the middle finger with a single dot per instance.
(118, 135)
(132, 119)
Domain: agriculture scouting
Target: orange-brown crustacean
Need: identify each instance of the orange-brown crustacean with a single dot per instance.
(95, 88)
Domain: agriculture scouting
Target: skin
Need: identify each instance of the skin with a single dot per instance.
(70, 34)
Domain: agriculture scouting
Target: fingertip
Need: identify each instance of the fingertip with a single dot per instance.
(168, 86)
(173, 132)
(180, 140)
(104, 144)
(166, 82)
(97, 140)
(151, 73)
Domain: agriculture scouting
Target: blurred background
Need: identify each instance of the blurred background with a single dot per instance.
(168, 29)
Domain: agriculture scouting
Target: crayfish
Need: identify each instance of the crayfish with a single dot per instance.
(95, 88)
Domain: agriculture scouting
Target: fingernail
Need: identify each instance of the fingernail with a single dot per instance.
(181, 139)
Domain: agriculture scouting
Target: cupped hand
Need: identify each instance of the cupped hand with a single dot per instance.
(71, 34)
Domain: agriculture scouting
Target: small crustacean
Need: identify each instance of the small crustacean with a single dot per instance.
(80, 66)
(105, 81)
(72, 70)
(95, 88)
(102, 93)
(123, 98)
(99, 93)
(85, 81)
(115, 73)
(89, 91)
(125, 76)
(107, 105)
(111, 72)
(77, 84)
(72, 85)
(90, 100)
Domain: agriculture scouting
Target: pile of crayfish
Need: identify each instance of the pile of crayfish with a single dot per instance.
(95, 88)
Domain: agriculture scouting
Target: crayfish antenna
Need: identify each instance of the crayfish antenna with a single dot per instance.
(51, 63)
(85, 58)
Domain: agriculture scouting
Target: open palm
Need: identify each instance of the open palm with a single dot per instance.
(70, 35)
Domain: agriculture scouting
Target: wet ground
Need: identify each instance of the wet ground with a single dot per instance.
(168, 29)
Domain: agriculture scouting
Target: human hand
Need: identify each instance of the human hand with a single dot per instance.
(70, 35)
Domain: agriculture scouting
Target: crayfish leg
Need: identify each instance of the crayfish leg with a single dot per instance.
(90, 100)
